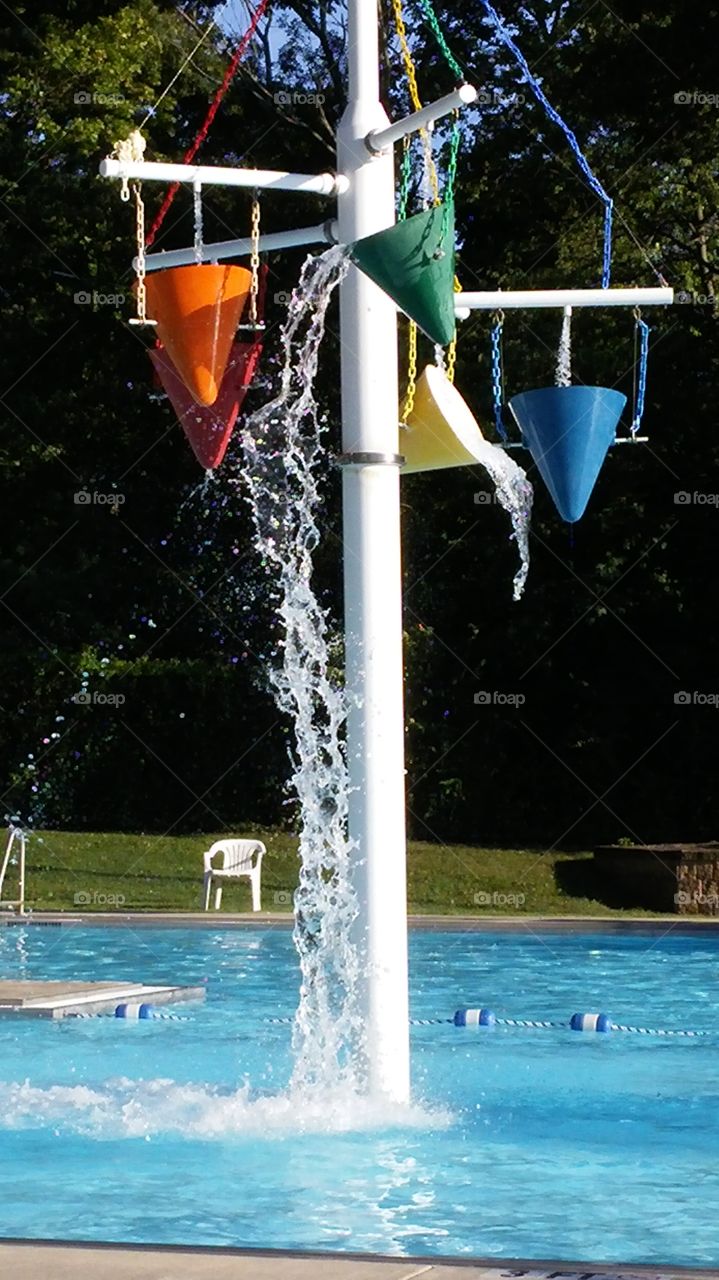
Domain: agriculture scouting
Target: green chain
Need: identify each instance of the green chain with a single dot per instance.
(434, 24)
(454, 142)
(404, 177)
(448, 195)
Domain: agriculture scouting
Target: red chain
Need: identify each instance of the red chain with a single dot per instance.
(190, 154)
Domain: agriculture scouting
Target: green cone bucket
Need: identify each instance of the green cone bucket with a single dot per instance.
(413, 262)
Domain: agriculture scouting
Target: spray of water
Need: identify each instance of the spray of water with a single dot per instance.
(563, 375)
(515, 494)
(282, 454)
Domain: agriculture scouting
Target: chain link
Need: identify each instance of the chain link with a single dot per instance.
(452, 348)
(255, 259)
(434, 24)
(642, 331)
(129, 151)
(404, 177)
(141, 291)
(497, 374)
(448, 204)
(411, 73)
(408, 405)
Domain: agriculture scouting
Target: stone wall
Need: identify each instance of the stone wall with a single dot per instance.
(698, 884)
(662, 877)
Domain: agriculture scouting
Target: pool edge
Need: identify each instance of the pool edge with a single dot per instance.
(429, 923)
(23, 1259)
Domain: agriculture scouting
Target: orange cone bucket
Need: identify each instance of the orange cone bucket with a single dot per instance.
(198, 309)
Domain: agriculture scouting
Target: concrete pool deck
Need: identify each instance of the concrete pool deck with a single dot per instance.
(23, 998)
(284, 920)
(26, 1260)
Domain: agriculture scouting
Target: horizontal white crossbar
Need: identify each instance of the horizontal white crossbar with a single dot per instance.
(324, 233)
(511, 299)
(380, 139)
(320, 184)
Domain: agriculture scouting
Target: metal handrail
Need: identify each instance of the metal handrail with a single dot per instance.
(15, 835)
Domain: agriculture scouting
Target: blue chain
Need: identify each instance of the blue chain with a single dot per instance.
(643, 328)
(542, 98)
(497, 377)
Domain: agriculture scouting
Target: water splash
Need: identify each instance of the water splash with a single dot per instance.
(563, 375)
(282, 454)
(124, 1108)
(516, 495)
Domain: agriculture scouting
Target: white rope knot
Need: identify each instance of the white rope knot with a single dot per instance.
(129, 151)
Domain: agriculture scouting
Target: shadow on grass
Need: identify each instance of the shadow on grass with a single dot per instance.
(93, 873)
(587, 878)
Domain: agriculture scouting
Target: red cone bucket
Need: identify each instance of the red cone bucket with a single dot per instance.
(198, 309)
(209, 427)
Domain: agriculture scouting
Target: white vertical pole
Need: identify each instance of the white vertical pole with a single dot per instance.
(372, 576)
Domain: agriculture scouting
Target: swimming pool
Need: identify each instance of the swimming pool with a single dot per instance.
(534, 1144)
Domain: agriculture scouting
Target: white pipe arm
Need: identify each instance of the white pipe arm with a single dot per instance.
(511, 299)
(325, 233)
(381, 139)
(320, 184)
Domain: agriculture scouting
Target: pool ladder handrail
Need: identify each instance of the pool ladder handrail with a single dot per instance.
(15, 835)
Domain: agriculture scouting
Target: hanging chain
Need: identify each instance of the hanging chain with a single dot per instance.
(408, 404)
(441, 41)
(255, 260)
(404, 177)
(411, 73)
(447, 207)
(452, 165)
(497, 374)
(132, 151)
(642, 328)
(141, 291)
(452, 348)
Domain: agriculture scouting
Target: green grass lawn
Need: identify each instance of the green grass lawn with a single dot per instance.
(68, 871)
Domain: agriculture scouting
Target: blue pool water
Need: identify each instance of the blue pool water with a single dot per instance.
(518, 1144)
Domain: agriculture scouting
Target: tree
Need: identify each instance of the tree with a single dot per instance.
(614, 623)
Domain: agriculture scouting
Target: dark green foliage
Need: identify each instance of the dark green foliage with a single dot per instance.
(613, 624)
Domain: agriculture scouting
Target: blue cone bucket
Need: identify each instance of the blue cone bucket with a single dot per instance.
(568, 431)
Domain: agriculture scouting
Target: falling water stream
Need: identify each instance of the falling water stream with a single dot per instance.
(563, 374)
(282, 454)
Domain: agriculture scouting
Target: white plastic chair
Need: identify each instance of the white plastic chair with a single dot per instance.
(239, 858)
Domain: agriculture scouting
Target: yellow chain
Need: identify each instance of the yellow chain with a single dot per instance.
(141, 292)
(128, 151)
(411, 73)
(415, 99)
(408, 404)
(452, 349)
(255, 260)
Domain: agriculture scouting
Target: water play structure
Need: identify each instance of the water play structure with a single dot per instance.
(194, 304)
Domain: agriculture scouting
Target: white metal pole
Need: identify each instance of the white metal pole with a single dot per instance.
(379, 139)
(325, 233)
(372, 576)
(516, 299)
(319, 184)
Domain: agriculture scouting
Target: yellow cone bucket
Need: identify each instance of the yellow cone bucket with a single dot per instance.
(441, 431)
